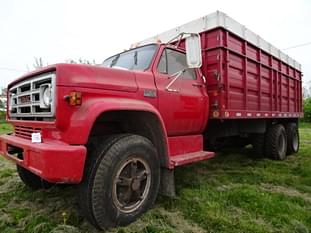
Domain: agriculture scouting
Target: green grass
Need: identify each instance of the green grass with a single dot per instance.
(5, 128)
(230, 193)
(304, 124)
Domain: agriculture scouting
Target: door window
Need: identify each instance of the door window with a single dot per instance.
(173, 61)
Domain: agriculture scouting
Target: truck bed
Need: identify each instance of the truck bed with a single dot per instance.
(244, 81)
(247, 77)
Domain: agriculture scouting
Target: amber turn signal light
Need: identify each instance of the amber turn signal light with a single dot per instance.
(74, 98)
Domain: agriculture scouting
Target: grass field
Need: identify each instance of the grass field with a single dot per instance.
(230, 193)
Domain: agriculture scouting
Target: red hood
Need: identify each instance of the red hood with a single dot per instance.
(33, 73)
(88, 76)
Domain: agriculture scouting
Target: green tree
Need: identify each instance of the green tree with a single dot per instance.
(307, 109)
(4, 91)
(305, 92)
(38, 63)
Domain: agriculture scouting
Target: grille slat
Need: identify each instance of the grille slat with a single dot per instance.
(25, 131)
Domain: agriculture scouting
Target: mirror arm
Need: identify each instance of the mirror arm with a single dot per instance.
(179, 37)
(177, 74)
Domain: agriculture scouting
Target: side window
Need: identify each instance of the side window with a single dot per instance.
(172, 62)
(162, 66)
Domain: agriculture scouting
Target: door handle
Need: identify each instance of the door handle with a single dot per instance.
(171, 90)
(197, 84)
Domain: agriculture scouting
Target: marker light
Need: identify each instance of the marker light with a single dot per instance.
(74, 98)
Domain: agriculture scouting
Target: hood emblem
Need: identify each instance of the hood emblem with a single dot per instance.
(150, 93)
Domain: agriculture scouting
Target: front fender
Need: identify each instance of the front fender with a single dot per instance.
(82, 120)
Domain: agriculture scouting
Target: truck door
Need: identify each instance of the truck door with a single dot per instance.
(184, 107)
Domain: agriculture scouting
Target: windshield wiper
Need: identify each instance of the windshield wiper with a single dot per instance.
(114, 60)
(135, 58)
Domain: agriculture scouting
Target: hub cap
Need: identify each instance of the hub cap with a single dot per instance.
(131, 184)
(295, 141)
(281, 144)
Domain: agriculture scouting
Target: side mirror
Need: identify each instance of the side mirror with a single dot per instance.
(193, 51)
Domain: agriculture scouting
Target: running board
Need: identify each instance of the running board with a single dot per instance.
(183, 159)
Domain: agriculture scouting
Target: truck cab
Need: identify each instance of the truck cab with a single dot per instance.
(148, 101)
(182, 101)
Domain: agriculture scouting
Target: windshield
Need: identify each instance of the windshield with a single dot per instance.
(134, 59)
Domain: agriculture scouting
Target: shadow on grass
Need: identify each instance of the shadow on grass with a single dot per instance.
(228, 165)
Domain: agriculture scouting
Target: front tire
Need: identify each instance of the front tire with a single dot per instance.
(276, 142)
(121, 182)
(31, 180)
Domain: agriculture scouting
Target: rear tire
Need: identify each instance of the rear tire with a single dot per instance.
(276, 142)
(31, 180)
(121, 181)
(292, 138)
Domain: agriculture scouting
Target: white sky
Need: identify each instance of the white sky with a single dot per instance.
(58, 30)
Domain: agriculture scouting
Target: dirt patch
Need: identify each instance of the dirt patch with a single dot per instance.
(286, 190)
(161, 220)
(228, 187)
(177, 220)
(65, 229)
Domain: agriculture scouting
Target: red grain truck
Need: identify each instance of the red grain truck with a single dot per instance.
(119, 129)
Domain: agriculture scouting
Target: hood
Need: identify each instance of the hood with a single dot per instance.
(76, 75)
(37, 72)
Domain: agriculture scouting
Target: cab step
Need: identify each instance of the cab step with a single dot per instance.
(183, 159)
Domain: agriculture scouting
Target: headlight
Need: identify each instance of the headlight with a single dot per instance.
(45, 96)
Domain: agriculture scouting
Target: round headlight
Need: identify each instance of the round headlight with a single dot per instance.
(47, 98)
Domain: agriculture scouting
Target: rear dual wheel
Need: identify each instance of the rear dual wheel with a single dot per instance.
(292, 138)
(121, 180)
(276, 142)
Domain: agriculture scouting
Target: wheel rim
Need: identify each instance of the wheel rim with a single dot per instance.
(131, 184)
(295, 141)
(281, 145)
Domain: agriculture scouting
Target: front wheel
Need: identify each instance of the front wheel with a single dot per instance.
(121, 182)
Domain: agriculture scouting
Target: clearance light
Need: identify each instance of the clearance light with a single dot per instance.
(74, 98)
(215, 114)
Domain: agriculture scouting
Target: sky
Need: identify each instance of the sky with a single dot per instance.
(60, 30)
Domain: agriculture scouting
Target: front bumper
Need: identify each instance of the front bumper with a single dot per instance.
(53, 161)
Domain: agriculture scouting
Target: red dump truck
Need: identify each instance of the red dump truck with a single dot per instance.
(119, 129)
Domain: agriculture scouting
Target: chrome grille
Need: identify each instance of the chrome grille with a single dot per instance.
(25, 99)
